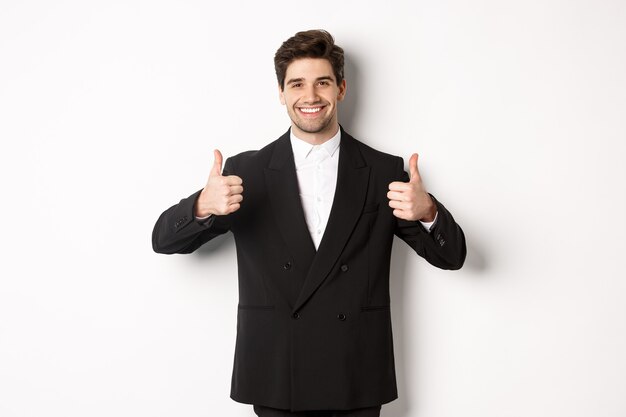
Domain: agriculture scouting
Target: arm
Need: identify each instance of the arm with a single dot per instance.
(179, 231)
(444, 245)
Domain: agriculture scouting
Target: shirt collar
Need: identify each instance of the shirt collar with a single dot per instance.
(301, 149)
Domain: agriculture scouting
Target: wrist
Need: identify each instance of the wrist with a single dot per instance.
(430, 213)
(198, 211)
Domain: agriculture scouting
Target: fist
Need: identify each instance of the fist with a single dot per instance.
(410, 200)
(221, 194)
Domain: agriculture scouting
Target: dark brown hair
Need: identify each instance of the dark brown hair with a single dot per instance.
(308, 44)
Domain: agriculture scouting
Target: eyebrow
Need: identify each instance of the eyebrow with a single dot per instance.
(299, 80)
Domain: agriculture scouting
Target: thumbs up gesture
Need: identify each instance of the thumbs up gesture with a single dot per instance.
(410, 200)
(221, 194)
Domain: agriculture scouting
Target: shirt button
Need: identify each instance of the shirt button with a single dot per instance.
(341, 316)
(296, 315)
(344, 268)
(319, 231)
(287, 265)
(319, 198)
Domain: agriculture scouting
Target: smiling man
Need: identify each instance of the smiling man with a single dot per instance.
(314, 235)
(311, 92)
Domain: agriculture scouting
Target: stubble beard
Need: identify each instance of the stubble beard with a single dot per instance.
(311, 126)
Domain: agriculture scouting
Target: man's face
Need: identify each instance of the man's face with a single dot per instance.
(311, 95)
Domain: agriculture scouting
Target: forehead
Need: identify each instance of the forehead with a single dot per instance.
(309, 68)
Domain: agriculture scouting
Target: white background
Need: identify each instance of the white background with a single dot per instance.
(110, 110)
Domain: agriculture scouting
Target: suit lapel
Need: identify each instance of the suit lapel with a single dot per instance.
(284, 194)
(352, 182)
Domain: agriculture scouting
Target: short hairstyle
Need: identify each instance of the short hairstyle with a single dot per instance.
(308, 44)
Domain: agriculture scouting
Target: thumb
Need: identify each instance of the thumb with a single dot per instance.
(415, 175)
(217, 164)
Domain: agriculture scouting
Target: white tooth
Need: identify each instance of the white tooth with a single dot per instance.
(306, 110)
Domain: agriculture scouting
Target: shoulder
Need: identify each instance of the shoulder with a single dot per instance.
(255, 158)
(372, 156)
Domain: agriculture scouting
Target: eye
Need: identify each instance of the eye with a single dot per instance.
(323, 83)
(296, 85)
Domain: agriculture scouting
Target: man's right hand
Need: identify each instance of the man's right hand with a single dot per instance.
(221, 194)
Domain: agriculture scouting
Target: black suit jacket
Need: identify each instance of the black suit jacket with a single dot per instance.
(313, 327)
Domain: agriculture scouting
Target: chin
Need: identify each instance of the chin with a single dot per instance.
(313, 129)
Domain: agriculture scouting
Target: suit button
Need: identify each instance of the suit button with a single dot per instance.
(344, 268)
(341, 316)
(296, 315)
(287, 266)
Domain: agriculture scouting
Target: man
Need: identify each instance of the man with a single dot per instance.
(313, 215)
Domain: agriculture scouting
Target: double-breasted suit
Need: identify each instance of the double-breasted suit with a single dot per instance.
(313, 327)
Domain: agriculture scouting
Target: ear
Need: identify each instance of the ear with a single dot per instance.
(342, 90)
(281, 95)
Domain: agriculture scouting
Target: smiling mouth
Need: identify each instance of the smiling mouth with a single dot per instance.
(310, 110)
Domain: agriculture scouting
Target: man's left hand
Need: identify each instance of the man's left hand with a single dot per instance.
(410, 200)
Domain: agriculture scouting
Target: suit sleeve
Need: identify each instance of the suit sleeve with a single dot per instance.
(444, 246)
(178, 231)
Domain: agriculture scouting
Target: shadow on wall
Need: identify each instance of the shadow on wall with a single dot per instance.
(348, 110)
(476, 259)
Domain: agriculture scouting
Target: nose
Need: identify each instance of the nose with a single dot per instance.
(310, 95)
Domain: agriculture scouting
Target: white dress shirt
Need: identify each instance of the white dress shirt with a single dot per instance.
(316, 169)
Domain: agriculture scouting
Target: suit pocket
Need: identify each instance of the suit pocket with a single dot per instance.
(370, 208)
